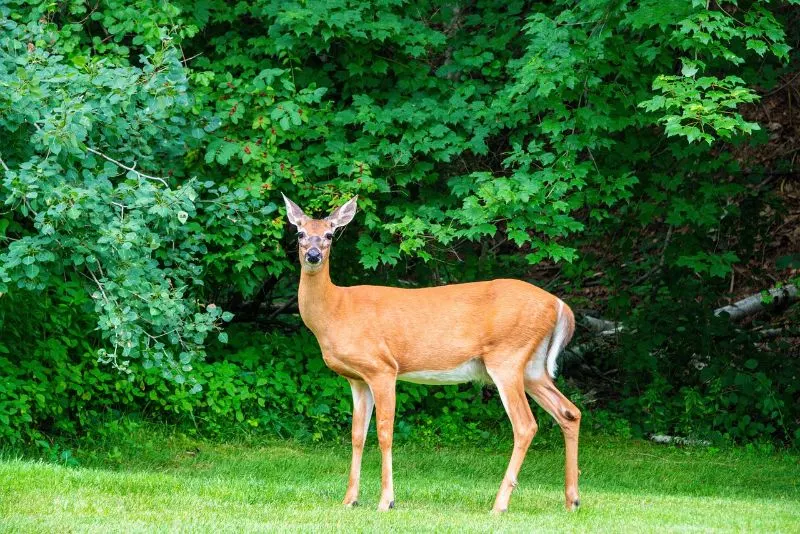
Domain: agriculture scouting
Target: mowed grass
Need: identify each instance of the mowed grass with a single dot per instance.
(175, 484)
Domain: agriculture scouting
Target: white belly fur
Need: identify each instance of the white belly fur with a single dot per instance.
(471, 371)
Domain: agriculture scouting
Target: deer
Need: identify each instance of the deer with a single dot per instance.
(504, 331)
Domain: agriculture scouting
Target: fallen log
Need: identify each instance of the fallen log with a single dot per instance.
(780, 296)
(678, 440)
(601, 326)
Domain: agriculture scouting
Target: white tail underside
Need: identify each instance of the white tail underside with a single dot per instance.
(558, 340)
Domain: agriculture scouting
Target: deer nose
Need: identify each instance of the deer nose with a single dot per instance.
(314, 256)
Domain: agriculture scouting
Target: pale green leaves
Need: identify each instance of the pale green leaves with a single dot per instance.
(81, 217)
(701, 109)
(689, 68)
(706, 108)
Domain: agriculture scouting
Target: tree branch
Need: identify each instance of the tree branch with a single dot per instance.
(122, 165)
(660, 265)
(99, 285)
(290, 305)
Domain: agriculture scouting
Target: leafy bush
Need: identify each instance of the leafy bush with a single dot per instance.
(53, 387)
(144, 145)
(279, 388)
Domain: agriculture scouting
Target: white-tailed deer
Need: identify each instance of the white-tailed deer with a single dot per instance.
(503, 331)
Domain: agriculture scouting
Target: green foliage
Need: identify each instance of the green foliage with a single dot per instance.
(695, 374)
(696, 109)
(78, 213)
(53, 385)
(278, 388)
(144, 145)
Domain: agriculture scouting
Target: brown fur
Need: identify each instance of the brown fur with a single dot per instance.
(372, 334)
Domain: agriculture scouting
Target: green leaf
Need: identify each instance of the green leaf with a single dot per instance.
(31, 270)
(689, 68)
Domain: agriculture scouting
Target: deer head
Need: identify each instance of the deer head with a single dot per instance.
(315, 236)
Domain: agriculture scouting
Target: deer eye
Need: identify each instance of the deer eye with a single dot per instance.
(301, 235)
(329, 236)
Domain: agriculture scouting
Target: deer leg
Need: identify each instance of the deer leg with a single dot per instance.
(568, 417)
(362, 411)
(384, 393)
(512, 393)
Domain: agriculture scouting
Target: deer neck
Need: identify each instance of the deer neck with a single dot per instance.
(317, 298)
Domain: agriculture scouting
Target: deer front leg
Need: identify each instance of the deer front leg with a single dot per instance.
(383, 391)
(362, 411)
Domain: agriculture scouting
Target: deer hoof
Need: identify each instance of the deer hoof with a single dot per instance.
(351, 504)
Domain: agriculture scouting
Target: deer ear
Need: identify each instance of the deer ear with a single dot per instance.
(343, 214)
(294, 213)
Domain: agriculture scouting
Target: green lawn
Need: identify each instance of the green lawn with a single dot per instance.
(162, 484)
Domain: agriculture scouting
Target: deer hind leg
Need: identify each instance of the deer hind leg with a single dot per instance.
(362, 411)
(512, 392)
(383, 390)
(568, 417)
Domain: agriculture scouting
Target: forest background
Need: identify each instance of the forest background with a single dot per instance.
(637, 159)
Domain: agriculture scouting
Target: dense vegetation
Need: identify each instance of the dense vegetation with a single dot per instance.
(610, 151)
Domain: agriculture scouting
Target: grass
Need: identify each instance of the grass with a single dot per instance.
(168, 483)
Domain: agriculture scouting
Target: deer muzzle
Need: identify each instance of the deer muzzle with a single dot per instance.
(313, 255)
